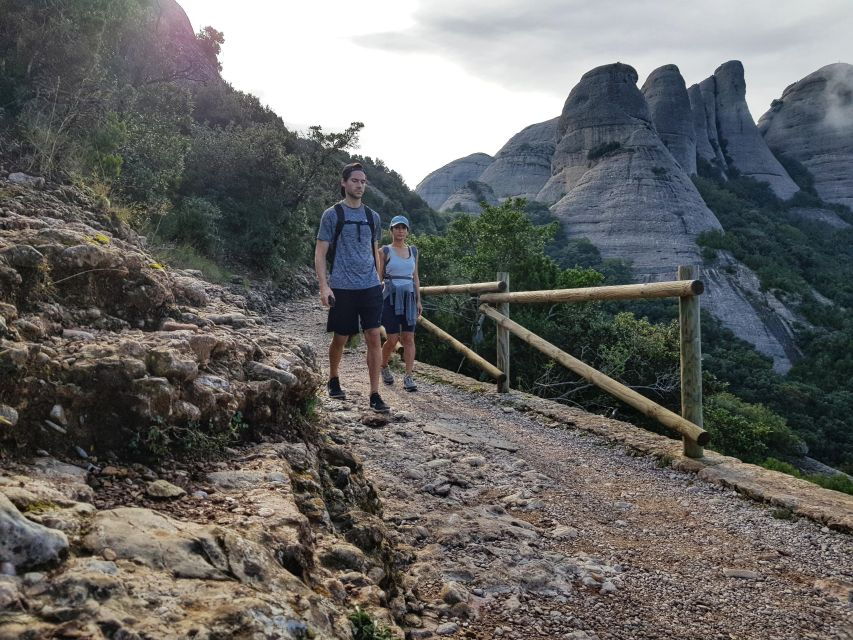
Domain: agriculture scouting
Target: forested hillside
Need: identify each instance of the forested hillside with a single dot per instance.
(120, 96)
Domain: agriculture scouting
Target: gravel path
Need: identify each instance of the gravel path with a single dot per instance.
(523, 528)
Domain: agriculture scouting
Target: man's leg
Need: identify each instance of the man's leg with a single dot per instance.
(374, 357)
(336, 352)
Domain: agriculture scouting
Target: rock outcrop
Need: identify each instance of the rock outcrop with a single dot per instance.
(739, 136)
(523, 165)
(813, 123)
(469, 196)
(669, 105)
(625, 192)
(439, 185)
(704, 150)
(708, 89)
(621, 187)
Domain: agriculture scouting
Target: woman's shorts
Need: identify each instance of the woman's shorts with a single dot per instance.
(392, 322)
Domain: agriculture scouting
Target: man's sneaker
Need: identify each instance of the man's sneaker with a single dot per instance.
(377, 404)
(409, 384)
(387, 376)
(335, 391)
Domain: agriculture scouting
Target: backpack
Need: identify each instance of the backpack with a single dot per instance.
(339, 226)
(386, 252)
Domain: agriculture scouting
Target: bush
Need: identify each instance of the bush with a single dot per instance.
(195, 223)
(601, 150)
(837, 482)
(750, 432)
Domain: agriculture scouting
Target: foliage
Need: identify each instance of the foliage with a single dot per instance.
(186, 257)
(389, 196)
(749, 431)
(836, 482)
(809, 265)
(601, 150)
(162, 440)
(364, 627)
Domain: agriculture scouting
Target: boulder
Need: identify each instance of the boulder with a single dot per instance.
(441, 183)
(672, 115)
(740, 138)
(523, 165)
(26, 544)
(813, 123)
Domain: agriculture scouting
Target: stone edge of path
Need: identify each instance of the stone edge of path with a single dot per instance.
(825, 506)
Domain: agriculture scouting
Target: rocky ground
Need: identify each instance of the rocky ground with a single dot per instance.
(463, 513)
(525, 527)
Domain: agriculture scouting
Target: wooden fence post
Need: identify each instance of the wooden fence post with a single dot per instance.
(691, 362)
(502, 360)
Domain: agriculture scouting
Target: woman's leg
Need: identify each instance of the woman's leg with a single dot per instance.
(388, 347)
(408, 338)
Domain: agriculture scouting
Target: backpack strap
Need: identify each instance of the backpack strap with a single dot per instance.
(386, 251)
(333, 246)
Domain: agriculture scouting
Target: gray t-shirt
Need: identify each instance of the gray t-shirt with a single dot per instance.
(355, 267)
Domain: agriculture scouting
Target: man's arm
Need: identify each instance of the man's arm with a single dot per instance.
(320, 251)
(380, 262)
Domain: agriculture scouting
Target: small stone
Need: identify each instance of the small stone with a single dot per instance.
(744, 574)
(7, 569)
(608, 587)
(108, 554)
(163, 489)
(57, 414)
(265, 512)
(81, 452)
(447, 629)
(55, 427)
(453, 592)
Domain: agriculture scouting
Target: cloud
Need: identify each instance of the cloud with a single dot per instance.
(547, 45)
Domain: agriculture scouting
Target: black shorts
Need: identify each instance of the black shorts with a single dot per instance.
(391, 321)
(352, 305)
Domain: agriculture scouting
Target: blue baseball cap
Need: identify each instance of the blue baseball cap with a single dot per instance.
(400, 220)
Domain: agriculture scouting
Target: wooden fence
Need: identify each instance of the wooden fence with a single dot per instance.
(495, 299)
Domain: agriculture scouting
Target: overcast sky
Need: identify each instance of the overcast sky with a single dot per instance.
(434, 80)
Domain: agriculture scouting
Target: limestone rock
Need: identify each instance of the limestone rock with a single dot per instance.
(741, 139)
(672, 115)
(441, 183)
(523, 165)
(708, 90)
(813, 123)
(163, 489)
(621, 187)
(26, 544)
(704, 150)
(469, 196)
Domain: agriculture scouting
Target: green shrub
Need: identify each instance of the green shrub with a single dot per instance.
(365, 627)
(601, 150)
(837, 482)
(194, 223)
(749, 431)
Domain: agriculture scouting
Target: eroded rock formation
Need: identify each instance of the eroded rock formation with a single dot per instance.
(523, 165)
(739, 136)
(469, 196)
(439, 185)
(672, 115)
(813, 123)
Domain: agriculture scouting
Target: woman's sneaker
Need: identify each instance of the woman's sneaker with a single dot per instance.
(387, 376)
(409, 384)
(377, 404)
(335, 391)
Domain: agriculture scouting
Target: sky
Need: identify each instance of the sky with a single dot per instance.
(435, 80)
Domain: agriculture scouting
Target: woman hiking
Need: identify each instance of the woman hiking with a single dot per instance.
(402, 300)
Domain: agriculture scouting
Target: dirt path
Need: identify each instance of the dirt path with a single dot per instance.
(523, 528)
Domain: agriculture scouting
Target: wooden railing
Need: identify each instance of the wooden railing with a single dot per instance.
(686, 289)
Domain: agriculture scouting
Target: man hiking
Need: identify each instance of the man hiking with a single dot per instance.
(349, 237)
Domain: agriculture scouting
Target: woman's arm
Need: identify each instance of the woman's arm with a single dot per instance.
(417, 282)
